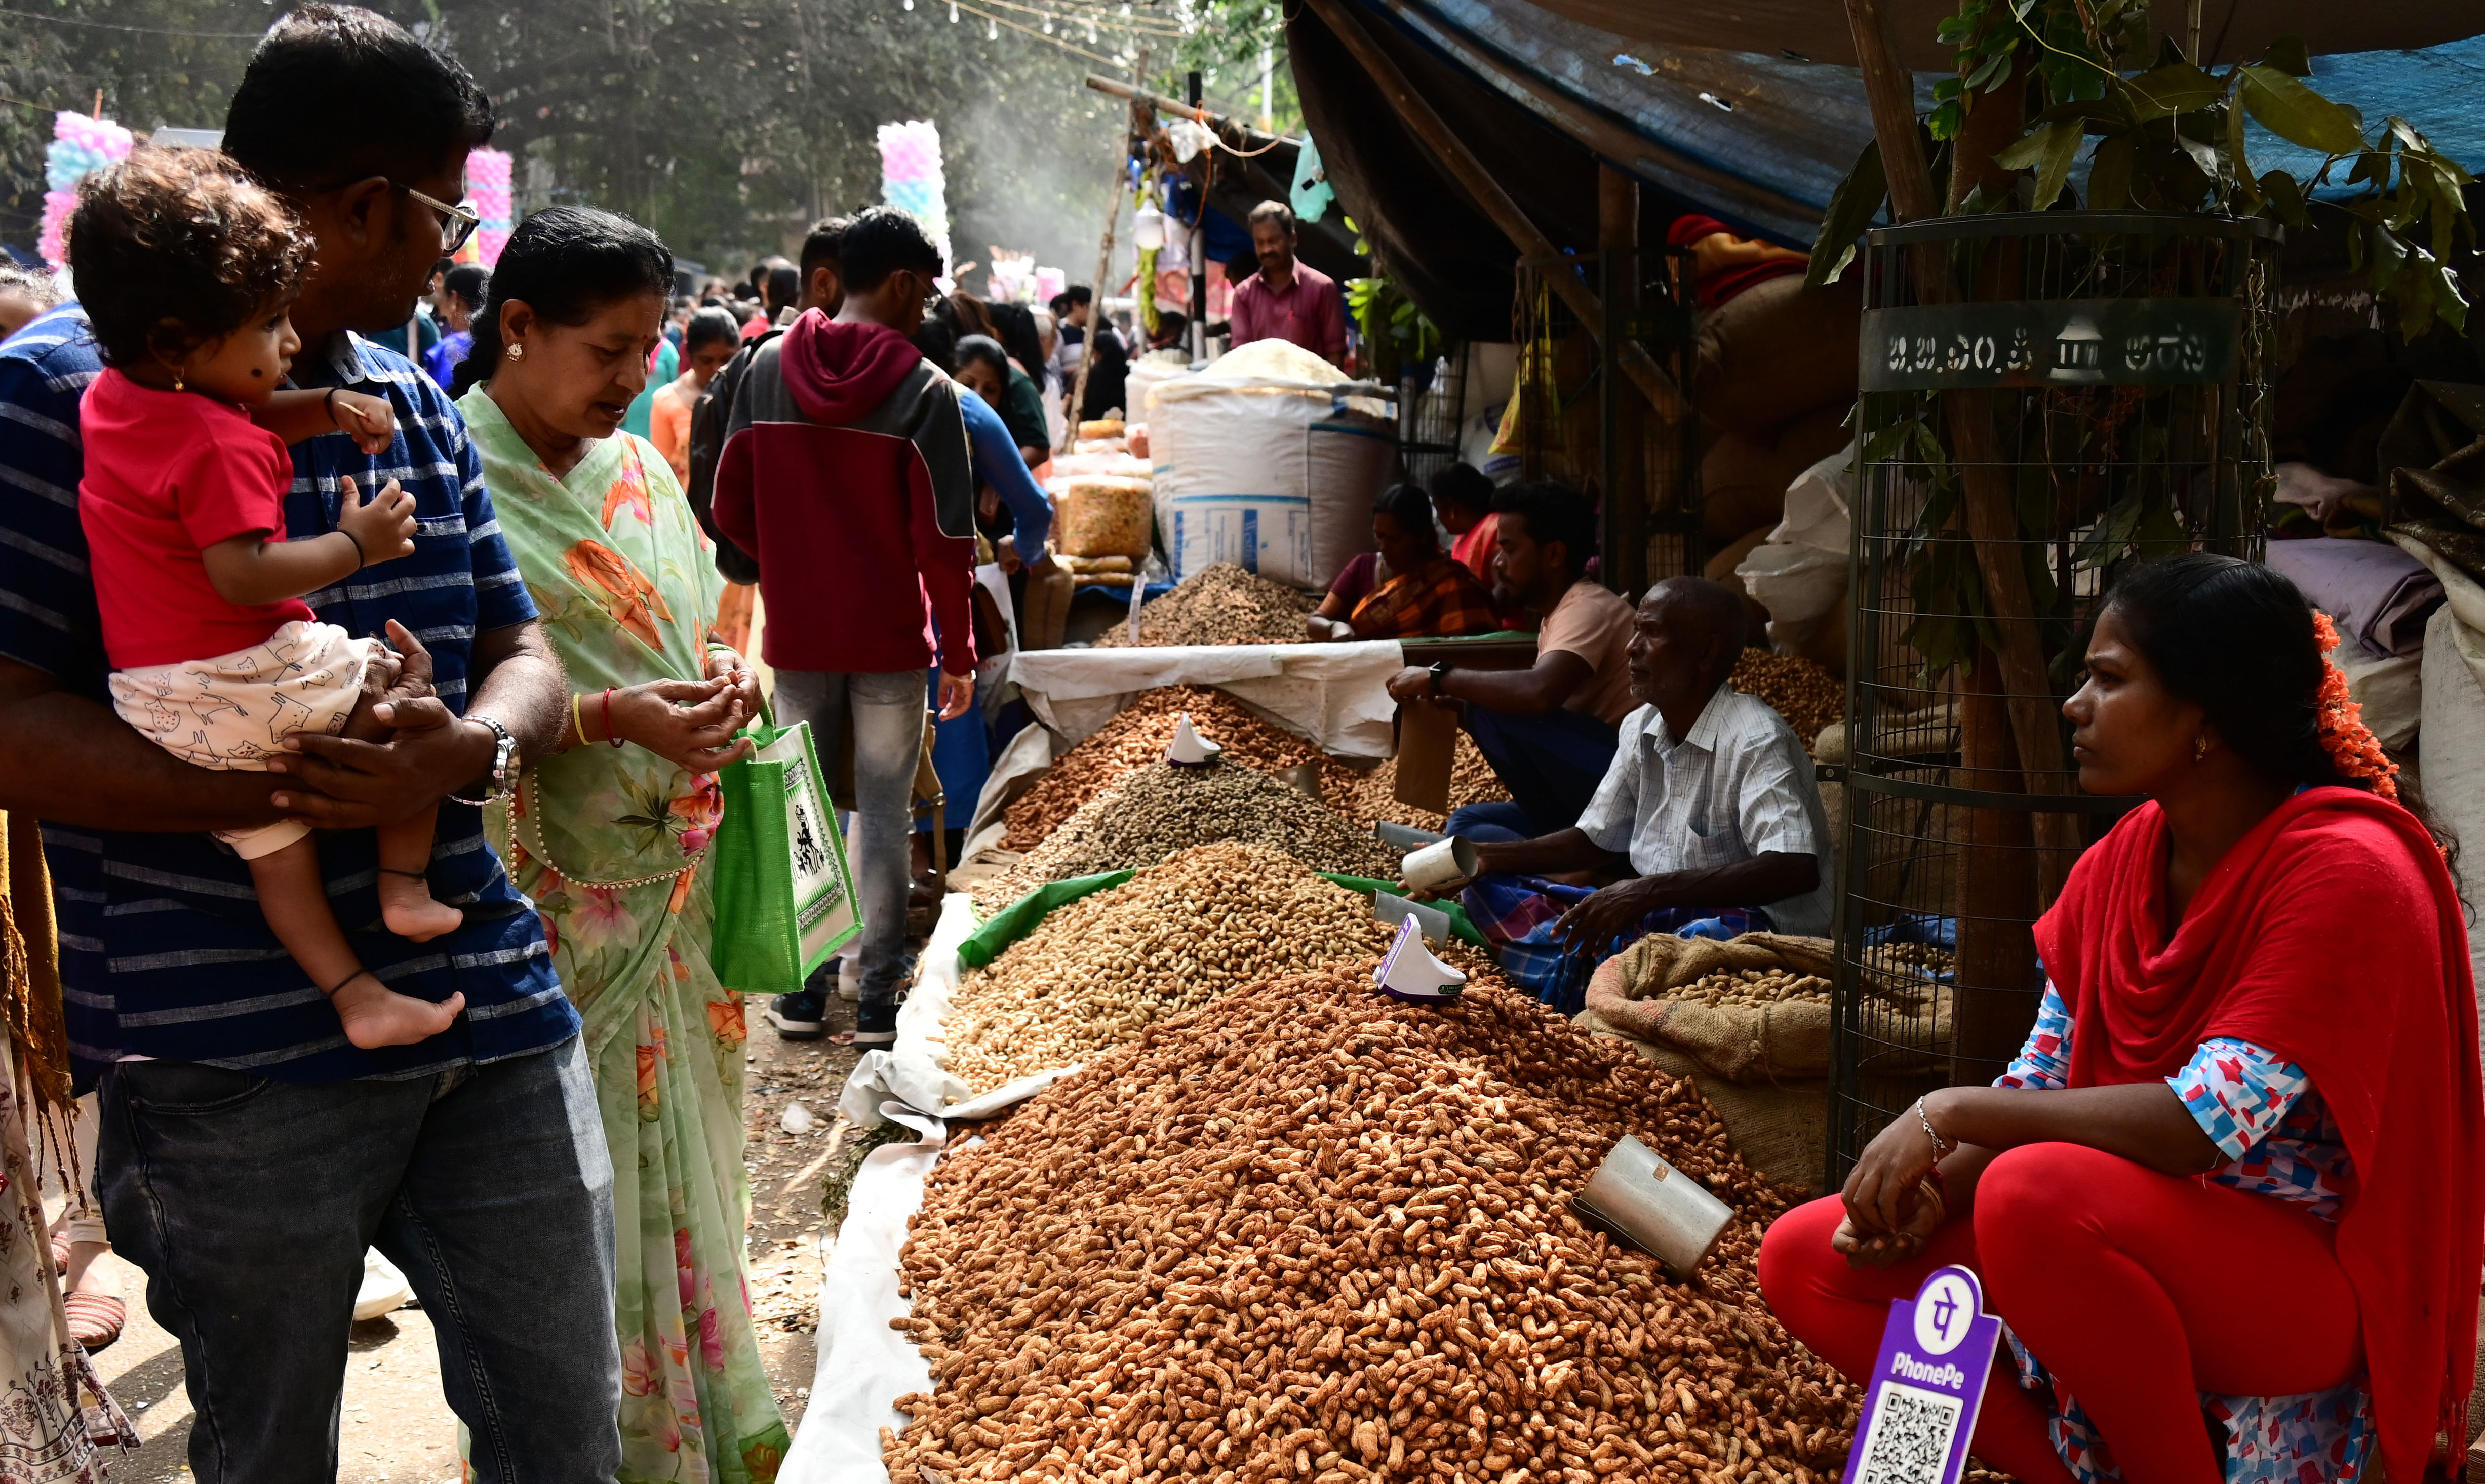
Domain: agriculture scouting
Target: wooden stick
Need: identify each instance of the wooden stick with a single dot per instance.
(1469, 172)
(1077, 408)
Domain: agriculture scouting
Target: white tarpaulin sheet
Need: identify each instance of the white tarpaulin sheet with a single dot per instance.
(1335, 694)
(866, 1366)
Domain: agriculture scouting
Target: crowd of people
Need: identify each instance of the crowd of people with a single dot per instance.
(374, 628)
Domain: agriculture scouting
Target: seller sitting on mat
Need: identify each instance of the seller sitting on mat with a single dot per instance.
(1409, 588)
(1710, 802)
(1548, 731)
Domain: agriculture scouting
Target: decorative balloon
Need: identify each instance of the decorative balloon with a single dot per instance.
(80, 146)
(487, 193)
(910, 177)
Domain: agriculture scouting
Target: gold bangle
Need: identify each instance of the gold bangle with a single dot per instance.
(577, 721)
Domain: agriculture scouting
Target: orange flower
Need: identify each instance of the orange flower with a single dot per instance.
(724, 1018)
(629, 492)
(646, 1080)
(682, 889)
(630, 597)
(2353, 748)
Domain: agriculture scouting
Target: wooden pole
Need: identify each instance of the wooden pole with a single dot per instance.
(1625, 432)
(1992, 521)
(1104, 266)
(1420, 119)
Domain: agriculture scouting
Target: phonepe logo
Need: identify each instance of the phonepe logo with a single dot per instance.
(1947, 1376)
(1945, 1311)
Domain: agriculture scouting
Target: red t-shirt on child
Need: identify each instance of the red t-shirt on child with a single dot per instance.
(168, 474)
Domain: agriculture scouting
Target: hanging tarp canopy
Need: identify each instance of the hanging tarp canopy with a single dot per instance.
(1735, 112)
(1815, 30)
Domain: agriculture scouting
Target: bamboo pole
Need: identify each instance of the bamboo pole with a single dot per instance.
(1077, 408)
(1420, 119)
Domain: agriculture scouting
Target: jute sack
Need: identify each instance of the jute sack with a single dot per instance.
(1747, 1043)
(1781, 1131)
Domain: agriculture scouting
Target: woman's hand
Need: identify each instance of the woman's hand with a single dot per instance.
(1881, 1195)
(723, 663)
(1881, 1250)
(689, 723)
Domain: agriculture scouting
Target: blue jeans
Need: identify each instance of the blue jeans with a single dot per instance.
(1552, 762)
(1500, 821)
(887, 742)
(248, 1204)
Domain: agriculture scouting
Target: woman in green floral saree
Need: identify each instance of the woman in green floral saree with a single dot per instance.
(608, 840)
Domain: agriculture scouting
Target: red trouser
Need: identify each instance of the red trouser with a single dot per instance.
(2137, 1290)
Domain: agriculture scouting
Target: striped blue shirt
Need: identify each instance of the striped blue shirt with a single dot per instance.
(163, 951)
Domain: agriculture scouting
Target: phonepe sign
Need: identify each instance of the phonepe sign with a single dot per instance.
(1920, 1409)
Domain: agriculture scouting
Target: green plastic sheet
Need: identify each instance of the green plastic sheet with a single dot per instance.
(1020, 918)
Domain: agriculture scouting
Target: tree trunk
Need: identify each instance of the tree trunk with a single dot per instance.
(1995, 1000)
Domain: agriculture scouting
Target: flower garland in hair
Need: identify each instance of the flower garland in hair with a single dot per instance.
(2352, 747)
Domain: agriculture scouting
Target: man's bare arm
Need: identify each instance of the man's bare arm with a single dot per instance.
(70, 760)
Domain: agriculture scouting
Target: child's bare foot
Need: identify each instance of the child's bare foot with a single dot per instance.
(407, 907)
(376, 1016)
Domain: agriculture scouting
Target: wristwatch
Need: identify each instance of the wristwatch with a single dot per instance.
(1440, 669)
(505, 755)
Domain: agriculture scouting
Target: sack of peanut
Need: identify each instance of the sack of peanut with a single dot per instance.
(1752, 1010)
(1315, 1234)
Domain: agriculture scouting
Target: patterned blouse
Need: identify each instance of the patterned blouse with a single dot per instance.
(2270, 1121)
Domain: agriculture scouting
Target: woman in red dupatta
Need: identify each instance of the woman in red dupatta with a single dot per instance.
(2228, 1199)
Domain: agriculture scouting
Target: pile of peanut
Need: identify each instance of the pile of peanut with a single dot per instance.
(1097, 971)
(1753, 986)
(1370, 796)
(1162, 808)
(1219, 604)
(1315, 1234)
(1807, 695)
(1137, 737)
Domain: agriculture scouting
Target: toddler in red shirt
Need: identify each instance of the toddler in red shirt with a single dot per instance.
(186, 271)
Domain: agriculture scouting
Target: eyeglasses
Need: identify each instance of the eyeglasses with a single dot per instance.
(457, 223)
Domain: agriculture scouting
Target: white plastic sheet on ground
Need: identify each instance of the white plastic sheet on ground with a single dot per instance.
(1333, 694)
(864, 1365)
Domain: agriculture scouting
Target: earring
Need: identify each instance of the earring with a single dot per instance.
(2200, 750)
(517, 353)
(177, 382)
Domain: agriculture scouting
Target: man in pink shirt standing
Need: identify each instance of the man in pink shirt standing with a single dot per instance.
(1287, 300)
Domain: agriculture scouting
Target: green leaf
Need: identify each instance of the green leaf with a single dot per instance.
(2176, 88)
(2110, 173)
(2284, 196)
(2061, 147)
(2288, 55)
(2236, 163)
(1851, 209)
(2029, 149)
(2298, 114)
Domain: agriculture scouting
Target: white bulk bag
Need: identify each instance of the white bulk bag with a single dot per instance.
(1256, 464)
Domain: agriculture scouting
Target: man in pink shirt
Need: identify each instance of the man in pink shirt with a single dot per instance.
(1287, 300)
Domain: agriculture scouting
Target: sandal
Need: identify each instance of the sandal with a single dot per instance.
(95, 1319)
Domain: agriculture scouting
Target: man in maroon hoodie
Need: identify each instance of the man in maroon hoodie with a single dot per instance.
(846, 473)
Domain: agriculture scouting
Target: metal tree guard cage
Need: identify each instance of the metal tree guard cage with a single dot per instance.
(2047, 397)
(1571, 395)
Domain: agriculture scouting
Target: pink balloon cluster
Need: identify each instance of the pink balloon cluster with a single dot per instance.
(911, 175)
(487, 191)
(80, 146)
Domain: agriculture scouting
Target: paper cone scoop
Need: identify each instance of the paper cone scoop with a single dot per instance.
(1188, 748)
(1411, 972)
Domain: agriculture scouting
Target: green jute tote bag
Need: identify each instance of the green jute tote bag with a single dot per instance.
(784, 897)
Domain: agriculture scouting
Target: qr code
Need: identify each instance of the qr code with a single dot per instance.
(1909, 1439)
